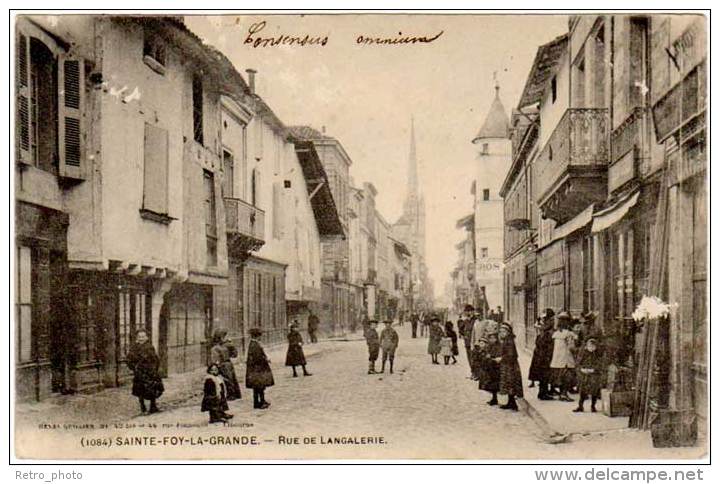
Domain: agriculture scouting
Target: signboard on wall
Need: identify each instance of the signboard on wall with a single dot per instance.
(489, 267)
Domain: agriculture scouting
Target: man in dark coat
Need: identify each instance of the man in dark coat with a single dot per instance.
(295, 355)
(465, 328)
(389, 341)
(414, 319)
(258, 375)
(373, 343)
(510, 376)
(143, 361)
(542, 355)
(313, 325)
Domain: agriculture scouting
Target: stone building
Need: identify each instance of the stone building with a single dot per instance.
(493, 152)
(119, 225)
(618, 174)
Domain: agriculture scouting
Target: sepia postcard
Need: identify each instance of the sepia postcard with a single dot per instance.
(366, 235)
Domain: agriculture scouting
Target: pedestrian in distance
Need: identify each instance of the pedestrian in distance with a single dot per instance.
(389, 341)
(258, 375)
(465, 329)
(221, 353)
(510, 376)
(435, 334)
(373, 343)
(313, 325)
(446, 348)
(542, 355)
(562, 365)
(215, 393)
(589, 374)
(452, 334)
(295, 355)
(143, 361)
(414, 320)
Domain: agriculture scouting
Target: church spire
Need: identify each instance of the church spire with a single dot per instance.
(412, 163)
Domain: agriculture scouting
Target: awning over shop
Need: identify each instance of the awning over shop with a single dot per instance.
(611, 215)
(576, 223)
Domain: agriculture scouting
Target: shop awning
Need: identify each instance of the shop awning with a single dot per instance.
(611, 215)
(576, 223)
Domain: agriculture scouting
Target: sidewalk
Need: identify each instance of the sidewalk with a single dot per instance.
(117, 404)
(557, 419)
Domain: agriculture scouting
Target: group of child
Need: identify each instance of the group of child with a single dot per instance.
(387, 341)
(568, 358)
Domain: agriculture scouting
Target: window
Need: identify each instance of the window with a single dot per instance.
(553, 89)
(23, 304)
(197, 106)
(155, 173)
(154, 53)
(50, 98)
(638, 61)
(255, 187)
(132, 307)
(87, 338)
(485, 148)
(229, 178)
(622, 273)
(210, 221)
(483, 252)
(486, 194)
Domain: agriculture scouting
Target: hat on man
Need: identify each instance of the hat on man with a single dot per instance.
(255, 332)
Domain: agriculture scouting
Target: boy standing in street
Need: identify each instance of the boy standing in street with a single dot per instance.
(389, 340)
(373, 343)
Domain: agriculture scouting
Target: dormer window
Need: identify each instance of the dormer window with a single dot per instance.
(154, 53)
(485, 149)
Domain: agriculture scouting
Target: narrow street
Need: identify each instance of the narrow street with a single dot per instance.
(422, 410)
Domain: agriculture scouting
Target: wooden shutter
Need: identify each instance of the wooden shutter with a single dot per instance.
(277, 207)
(22, 100)
(155, 179)
(71, 104)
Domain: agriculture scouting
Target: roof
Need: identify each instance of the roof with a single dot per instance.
(497, 124)
(546, 61)
(312, 134)
(322, 202)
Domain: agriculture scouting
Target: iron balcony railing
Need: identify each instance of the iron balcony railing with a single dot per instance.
(579, 140)
(244, 219)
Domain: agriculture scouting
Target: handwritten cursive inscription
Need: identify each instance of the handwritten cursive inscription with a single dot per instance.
(399, 39)
(258, 41)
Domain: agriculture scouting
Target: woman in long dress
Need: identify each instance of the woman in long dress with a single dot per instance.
(295, 355)
(258, 375)
(143, 361)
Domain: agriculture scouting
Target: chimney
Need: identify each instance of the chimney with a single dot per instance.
(323, 129)
(251, 79)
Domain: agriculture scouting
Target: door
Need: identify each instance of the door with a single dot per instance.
(530, 302)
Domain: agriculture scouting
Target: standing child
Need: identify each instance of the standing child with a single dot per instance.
(373, 343)
(446, 348)
(489, 368)
(562, 364)
(450, 332)
(258, 375)
(389, 341)
(589, 368)
(510, 376)
(215, 395)
(295, 355)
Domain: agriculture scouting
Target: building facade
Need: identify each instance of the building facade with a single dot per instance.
(617, 172)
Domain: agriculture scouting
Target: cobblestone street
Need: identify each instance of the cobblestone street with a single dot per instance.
(422, 410)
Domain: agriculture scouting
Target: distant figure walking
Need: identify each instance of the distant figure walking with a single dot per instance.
(313, 325)
(414, 320)
(295, 355)
(373, 343)
(143, 361)
(436, 333)
(450, 333)
(389, 341)
(258, 375)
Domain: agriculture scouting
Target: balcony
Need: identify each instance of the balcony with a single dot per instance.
(245, 225)
(571, 170)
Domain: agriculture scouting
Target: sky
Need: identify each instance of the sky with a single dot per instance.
(365, 96)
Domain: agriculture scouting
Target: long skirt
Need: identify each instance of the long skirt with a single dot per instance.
(563, 377)
(511, 379)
